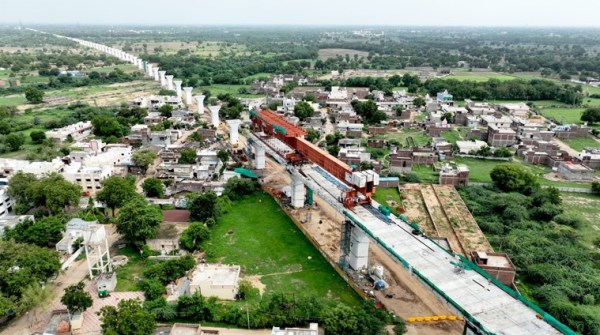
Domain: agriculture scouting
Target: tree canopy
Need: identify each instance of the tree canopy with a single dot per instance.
(153, 188)
(143, 158)
(34, 95)
(193, 236)
(511, 177)
(138, 220)
(591, 115)
(42, 232)
(129, 318)
(52, 193)
(115, 191)
(187, 156)
(303, 109)
(76, 299)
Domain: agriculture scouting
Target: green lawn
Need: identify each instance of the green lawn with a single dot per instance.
(127, 68)
(579, 143)
(249, 79)
(586, 207)
(231, 89)
(474, 76)
(260, 237)
(479, 172)
(12, 100)
(563, 115)
(388, 193)
(454, 135)
(127, 274)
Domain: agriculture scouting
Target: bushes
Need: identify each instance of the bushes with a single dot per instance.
(562, 276)
(167, 271)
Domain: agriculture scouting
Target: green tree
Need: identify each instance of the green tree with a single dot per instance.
(20, 187)
(187, 156)
(223, 155)
(312, 135)
(237, 188)
(511, 177)
(419, 102)
(34, 95)
(193, 236)
(204, 206)
(107, 126)
(596, 188)
(143, 158)
(166, 110)
(54, 193)
(591, 115)
(153, 188)
(14, 141)
(37, 136)
(129, 318)
(76, 299)
(303, 109)
(115, 191)
(41, 232)
(138, 220)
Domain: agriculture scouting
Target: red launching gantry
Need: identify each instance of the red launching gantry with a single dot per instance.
(275, 126)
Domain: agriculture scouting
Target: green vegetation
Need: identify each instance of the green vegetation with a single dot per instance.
(563, 115)
(419, 137)
(554, 261)
(388, 194)
(50, 195)
(579, 143)
(268, 244)
(587, 208)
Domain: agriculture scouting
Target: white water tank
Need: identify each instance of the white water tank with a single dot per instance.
(378, 271)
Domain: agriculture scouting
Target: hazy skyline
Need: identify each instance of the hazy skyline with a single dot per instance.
(522, 13)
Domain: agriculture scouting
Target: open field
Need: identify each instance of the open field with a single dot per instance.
(224, 89)
(12, 100)
(580, 143)
(391, 194)
(260, 237)
(420, 138)
(325, 54)
(128, 273)
(586, 207)
(484, 76)
(563, 115)
(127, 68)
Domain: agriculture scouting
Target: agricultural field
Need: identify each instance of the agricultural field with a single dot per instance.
(325, 54)
(483, 76)
(580, 143)
(274, 252)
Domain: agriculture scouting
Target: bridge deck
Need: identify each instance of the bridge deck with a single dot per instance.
(494, 308)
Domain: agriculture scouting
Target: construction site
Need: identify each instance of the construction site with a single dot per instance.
(418, 265)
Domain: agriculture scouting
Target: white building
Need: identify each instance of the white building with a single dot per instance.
(338, 93)
(465, 147)
(216, 280)
(89, 178)
(77, 132)
(520, 110)
(10, 221)
(500, 122)
(313, 329)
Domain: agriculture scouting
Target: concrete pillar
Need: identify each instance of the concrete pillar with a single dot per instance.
(156, 77)
(178, 87)
(359, 249)
(259, 159)
(140, 63)
(200, 103)
(149, 71)
(188, 95)
(170, 83)
(298, 192)
(163, 80)
(234, 126)
(214, 115)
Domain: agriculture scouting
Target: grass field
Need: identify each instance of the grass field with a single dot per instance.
(473, 76)
(389, 193)
(454, 135)
(260, 237)
(12, 100)
(249, 79)
(582, 142)
(418, 136)
(127, 68)
(127, 274)
(563, 115)
(224, 89)
(586, 207)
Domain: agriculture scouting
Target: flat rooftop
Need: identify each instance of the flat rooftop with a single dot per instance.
(216, 274)
(491, 306)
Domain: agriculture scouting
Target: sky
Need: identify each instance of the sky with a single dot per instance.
(521, 13)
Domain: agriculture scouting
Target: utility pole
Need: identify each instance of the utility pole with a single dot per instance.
(248, 316)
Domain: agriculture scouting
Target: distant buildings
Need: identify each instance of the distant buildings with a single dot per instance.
(75, 132)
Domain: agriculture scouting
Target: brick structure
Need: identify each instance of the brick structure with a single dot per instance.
(572, 131)
(375, 143)
(497, 265)
(207, 134)
(354, 133)
(590, 157)
(501, 137)
(377, 130)
(458, 176)
(400, 163)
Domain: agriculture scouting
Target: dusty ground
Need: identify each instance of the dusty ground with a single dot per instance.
(411, 298)
(444, 215)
